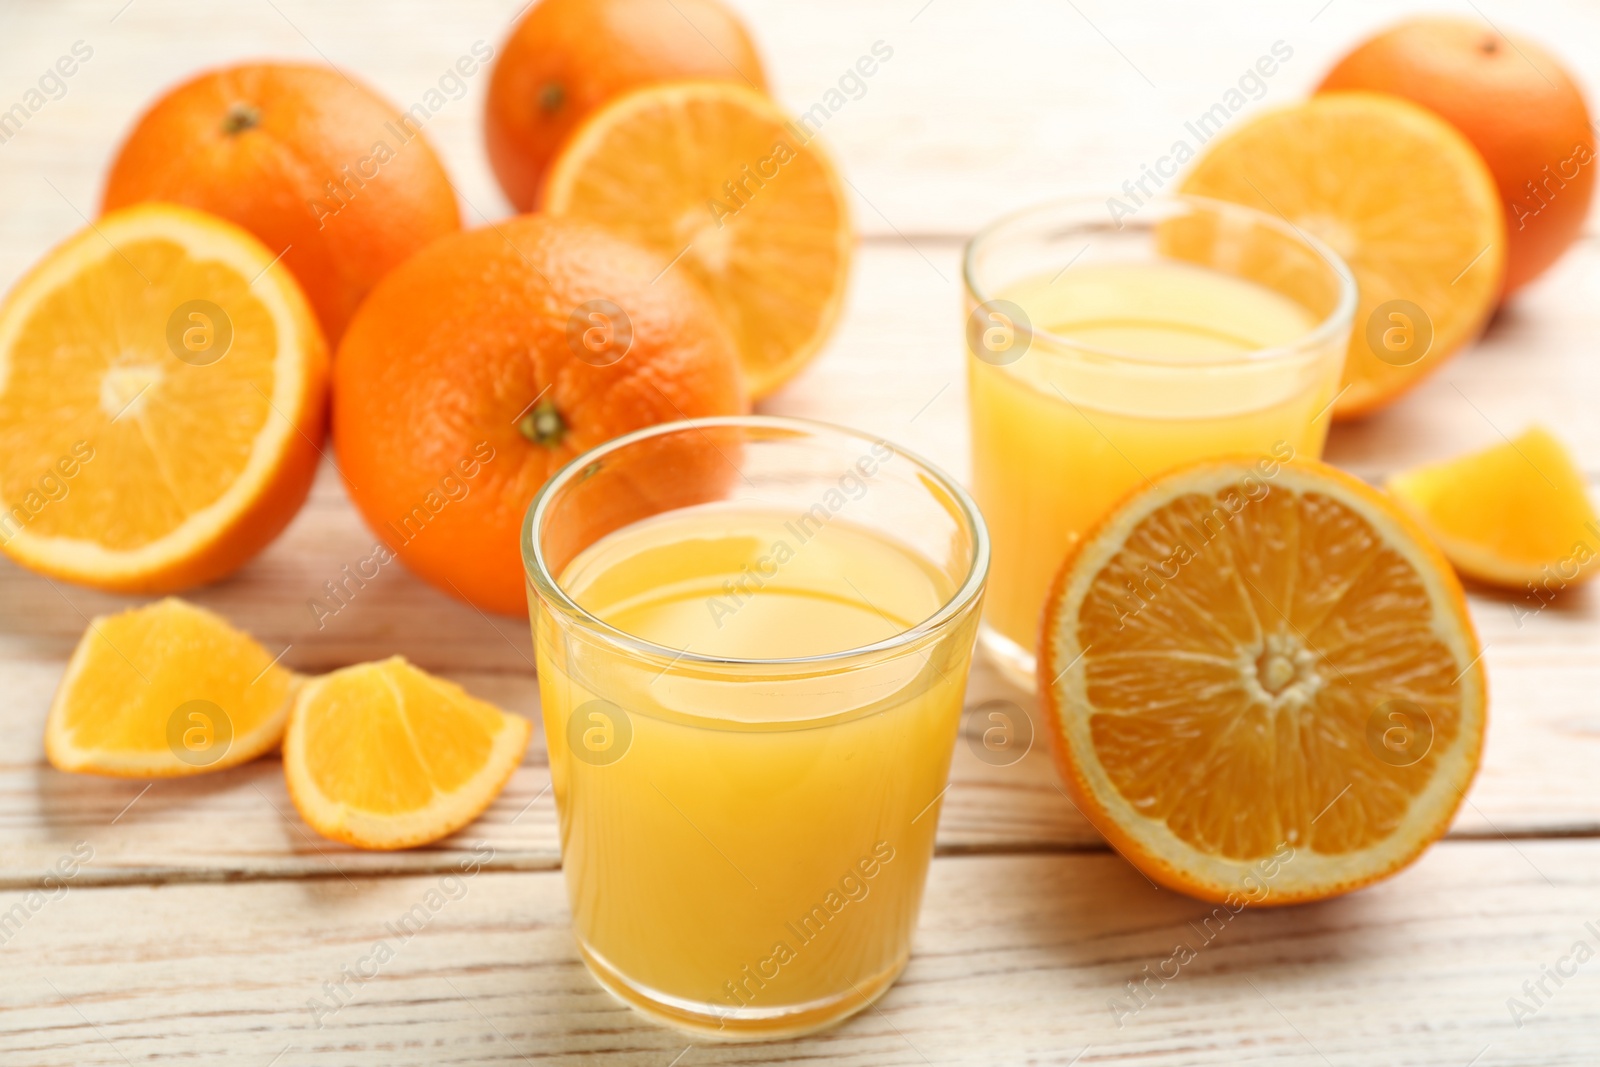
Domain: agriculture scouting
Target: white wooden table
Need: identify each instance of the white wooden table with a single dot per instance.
(209, 918)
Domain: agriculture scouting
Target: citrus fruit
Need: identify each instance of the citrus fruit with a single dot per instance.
(1262, 682)
(385, 756)
(567, 57)
(719, 181)
(1511, 514)
(489, 360)
(164, 690)
(163, 387)
(1403, 198)
(1518, 106)
(325, 172)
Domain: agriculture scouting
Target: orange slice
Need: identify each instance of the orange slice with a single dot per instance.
(1262, 682)
(1510, 515)
(162, 388)
(1408, 203)
(384, 756)
(724, 185)
(166, 690)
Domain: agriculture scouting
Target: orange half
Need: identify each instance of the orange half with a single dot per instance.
(723, 185)
(1403, 198)
(1262, 682)
(162, 395)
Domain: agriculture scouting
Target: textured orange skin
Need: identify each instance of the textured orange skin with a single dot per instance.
(264, 520)
(1156, 867)
(461, 341)
(1468, 74)
(313, 124)
(592, 51)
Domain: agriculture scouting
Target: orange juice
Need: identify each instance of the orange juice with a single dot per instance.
(749, 854)
(1128, 369)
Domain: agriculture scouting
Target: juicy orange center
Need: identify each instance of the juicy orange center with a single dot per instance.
(1248, 663)
(734, 196)
(1432, 239)
(116, 359)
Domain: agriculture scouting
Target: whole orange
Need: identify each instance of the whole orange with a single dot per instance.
(326, 172)
(1517, 105)
(567, 57)
(487, 361)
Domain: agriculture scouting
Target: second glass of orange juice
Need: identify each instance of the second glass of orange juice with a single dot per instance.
(1104, 351)
(753, 637)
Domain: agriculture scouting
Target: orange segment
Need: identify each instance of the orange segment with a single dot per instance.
(1263, 682)
(164, 690)
(1512, 514)
(1406, 201)
(384, 756)
(717, 174)
(162, 386)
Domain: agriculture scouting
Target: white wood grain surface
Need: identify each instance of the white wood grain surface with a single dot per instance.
(1018, 960)
(209, 915)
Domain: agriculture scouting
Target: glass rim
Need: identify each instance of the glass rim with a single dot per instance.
(537, 571)
(1330, 325)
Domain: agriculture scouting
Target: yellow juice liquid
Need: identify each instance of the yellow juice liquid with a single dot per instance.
(1060, 435)
(755, 856)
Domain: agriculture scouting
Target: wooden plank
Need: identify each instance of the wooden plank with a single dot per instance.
(240, 824)
(894, 369)
(981, 109)
(1018, 960)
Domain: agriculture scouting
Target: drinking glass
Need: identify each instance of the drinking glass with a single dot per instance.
(1104, 350)
(753, 637)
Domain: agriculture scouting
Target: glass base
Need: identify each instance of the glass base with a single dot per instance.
(712, 1022)
(1015, 663)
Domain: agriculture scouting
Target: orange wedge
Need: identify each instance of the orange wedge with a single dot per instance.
(1513, 514)
(1408, 203)
(1262, 682)
(166, 690)
(162, 389)
(385, 756)
(722, 184)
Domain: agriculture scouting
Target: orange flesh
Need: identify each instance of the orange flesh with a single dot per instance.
(1514, 513)
(135, 670)
(385, 738)
(715, 174)
(169, 437)
(1234, 704)
(1397, 193)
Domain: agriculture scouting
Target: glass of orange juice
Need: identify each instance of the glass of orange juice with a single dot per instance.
(753, 637)
(1103, 351)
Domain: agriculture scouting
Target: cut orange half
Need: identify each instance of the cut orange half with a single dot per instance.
(1262, 682)
(722, 184)
(1515, 513)
(385, 756)
(166, 690)
(1403, 197)
(162, 393)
